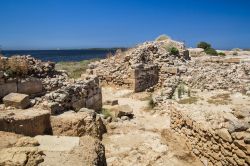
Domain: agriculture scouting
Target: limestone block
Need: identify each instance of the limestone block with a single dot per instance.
(77, 124)
(30, 87)
(30, 122)
(8, 87)
(16, 100)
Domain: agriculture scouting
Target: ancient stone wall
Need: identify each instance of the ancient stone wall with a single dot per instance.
(213, 147)
(144, 77)
(31, 86)
(74, 96)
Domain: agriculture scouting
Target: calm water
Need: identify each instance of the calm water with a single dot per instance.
(62, 55)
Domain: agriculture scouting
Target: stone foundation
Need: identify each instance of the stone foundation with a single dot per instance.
(84, 93)
(213, 147)
(30, 122)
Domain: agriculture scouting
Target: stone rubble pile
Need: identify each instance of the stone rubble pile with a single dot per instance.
(210, 76)
(74, 96)
(120, 69)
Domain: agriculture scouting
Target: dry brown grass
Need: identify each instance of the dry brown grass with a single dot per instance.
(190, 100)
(14, 66)
(220, 99)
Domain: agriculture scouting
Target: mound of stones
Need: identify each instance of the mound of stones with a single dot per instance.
(141, 67)
(74, 96)
(221, 74)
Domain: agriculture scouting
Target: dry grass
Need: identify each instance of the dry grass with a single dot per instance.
(14, 66)
(220, 99)
(74, 69)
(190, 100)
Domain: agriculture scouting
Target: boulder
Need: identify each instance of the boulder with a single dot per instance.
(16, 100)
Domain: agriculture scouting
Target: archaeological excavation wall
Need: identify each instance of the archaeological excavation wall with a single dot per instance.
(74, 96)
(213, 146)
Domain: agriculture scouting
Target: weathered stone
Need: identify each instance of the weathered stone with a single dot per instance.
(28, 122)
(111, 102)
(224, 134)
(240, 153)
(122, 110)
(16, 100)
(30, 87)
(8, 87)
(78, 124)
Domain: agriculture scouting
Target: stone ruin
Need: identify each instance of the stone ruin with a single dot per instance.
(221, 140)
(35, 99)
(142, 67)
(46, 102)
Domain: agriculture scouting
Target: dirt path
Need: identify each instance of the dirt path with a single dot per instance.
(143, 140)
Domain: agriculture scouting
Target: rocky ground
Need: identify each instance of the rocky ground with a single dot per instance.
(145, 139)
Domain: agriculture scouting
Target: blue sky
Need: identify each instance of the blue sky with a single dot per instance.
(49, 24)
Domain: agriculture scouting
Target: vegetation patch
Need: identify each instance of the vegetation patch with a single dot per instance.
(106, 113)
(190, 100)
(74, 69)
(207, 48)
(162, 38)
(220, 99)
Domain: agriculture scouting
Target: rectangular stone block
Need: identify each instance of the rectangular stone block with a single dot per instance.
(16, 100)
(9, 87)
(30, 87)
(30, 122)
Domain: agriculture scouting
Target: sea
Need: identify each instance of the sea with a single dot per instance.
(62, 55)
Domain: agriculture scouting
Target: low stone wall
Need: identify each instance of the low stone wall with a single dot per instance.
(30, 122)
(139, 78)
(31, 86)
(74, 96)
(213, 147)
(144, 76)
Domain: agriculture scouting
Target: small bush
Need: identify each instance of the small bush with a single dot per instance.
(204, 45)
(151, 103)
(106, 113)
(162, 38)
(211, 51)
(221, 54)
(174, 51)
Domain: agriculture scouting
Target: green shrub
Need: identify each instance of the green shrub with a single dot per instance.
(174, 51)
(162, 38)
(204, 45)
(211, 51)
(106, 113)
(151, 103)
(221, 54)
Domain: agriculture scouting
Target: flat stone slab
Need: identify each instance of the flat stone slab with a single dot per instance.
(16, 100)
(57, 143)
(29, 122)
(65, 150)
